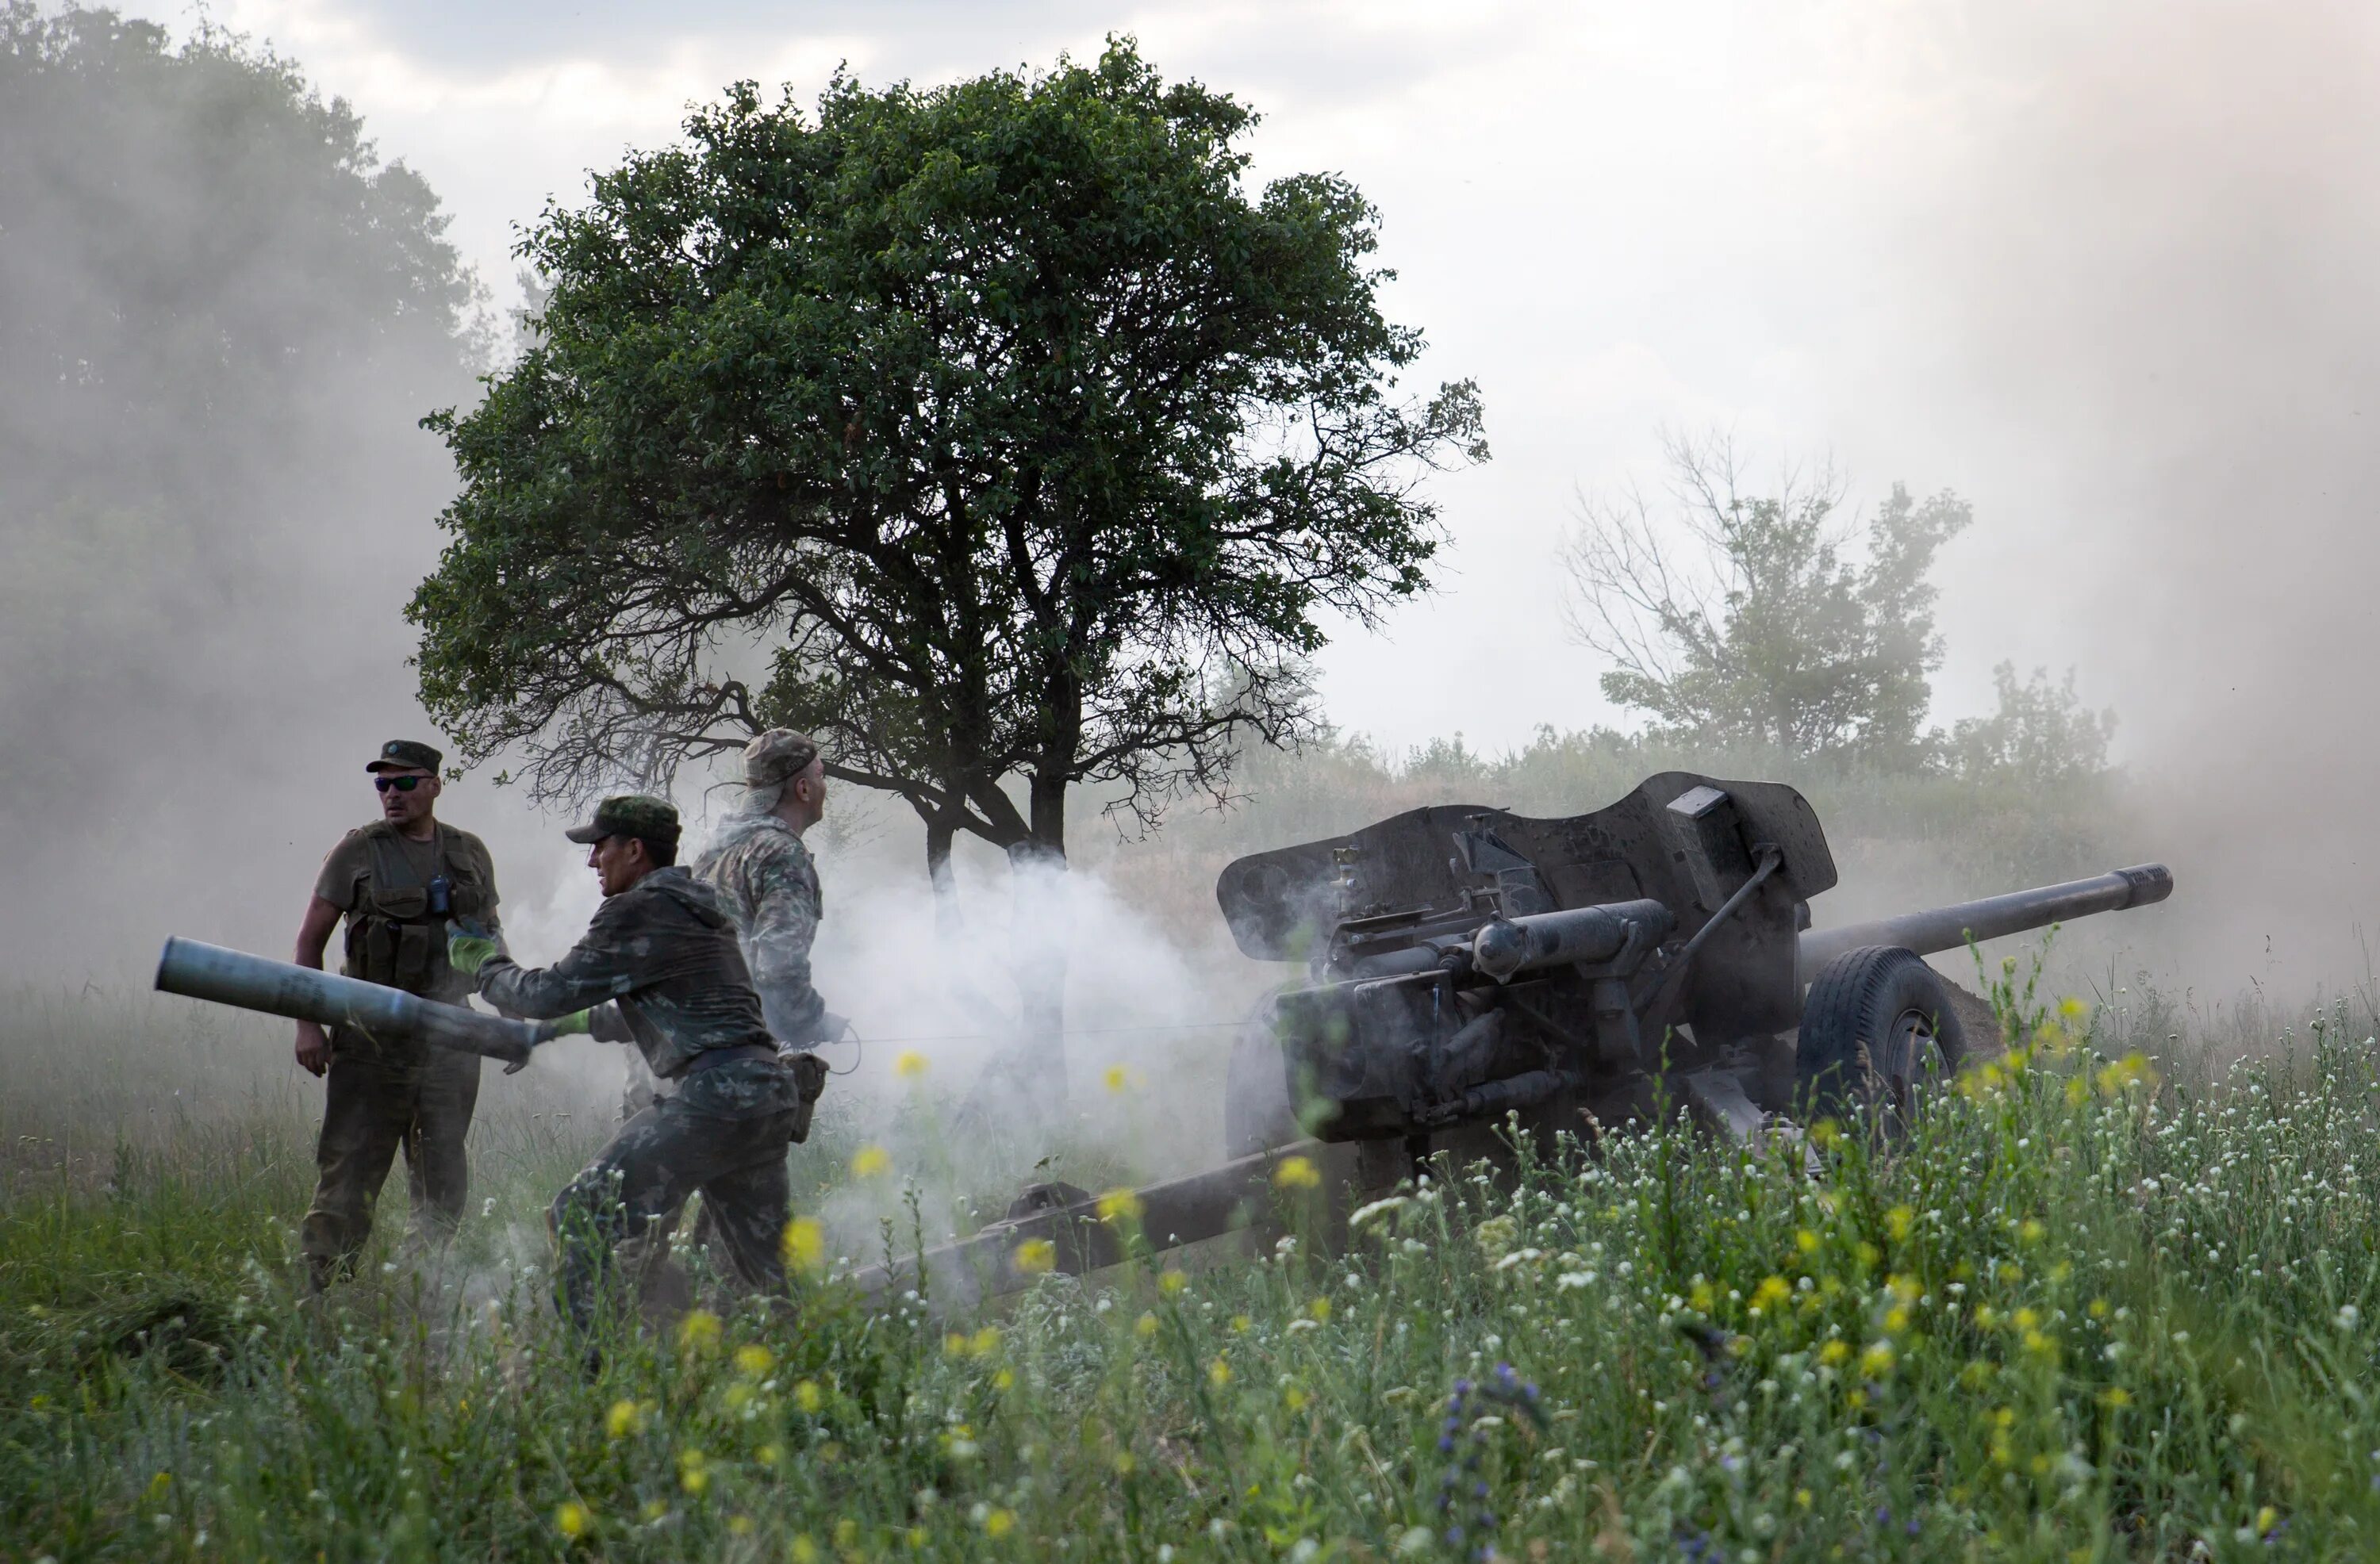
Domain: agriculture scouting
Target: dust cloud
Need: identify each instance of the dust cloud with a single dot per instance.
(2125, 257)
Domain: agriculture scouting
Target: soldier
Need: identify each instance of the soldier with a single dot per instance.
(396, 883)
(662, 951)
(764, 876)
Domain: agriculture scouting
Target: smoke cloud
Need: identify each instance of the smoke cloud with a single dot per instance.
(2120, 263)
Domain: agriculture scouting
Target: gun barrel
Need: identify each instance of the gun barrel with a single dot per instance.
(1946, 928)
(233, 977)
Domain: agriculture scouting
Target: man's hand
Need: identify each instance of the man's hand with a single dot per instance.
(468, 952)
(313, 1048)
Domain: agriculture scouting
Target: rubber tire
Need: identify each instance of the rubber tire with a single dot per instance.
(1258, 1114)
(1864, 1029)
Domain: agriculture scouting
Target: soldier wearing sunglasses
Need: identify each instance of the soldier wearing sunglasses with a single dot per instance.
(397, 882)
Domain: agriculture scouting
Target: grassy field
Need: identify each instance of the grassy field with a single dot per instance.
(2084, 1312)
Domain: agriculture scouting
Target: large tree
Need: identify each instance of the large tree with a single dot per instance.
(998, 433)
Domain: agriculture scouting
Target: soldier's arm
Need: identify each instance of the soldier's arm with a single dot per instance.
(598, 969)
(784, 924)
(313, 936)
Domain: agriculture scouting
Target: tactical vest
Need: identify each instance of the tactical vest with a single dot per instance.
(394, 937)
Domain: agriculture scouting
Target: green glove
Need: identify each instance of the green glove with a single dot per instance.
(468, 952)
(578, 1024)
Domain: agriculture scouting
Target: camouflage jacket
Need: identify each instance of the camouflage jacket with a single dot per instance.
(765, 879)
(666, 952)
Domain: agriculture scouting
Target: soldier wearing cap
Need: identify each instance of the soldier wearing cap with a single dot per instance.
(397, 882)
(660, 967)
(765, 878)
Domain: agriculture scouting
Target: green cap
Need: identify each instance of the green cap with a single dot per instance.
(636, 814)
(406, 754)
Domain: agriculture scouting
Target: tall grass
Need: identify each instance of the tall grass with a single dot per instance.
(2078, 1311)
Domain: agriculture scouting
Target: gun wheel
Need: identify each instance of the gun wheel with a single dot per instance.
(1878, 1031)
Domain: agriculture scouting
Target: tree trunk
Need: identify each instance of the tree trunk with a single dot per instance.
(1043, 930)
(942, 830)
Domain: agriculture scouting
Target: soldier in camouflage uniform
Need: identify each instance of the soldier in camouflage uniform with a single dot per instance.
(660, 967)
(396, 883)
(765, 879)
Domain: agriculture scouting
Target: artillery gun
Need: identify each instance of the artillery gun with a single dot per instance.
(1465, 965)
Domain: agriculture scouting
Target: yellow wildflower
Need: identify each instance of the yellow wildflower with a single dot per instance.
(1771, 1291)
(1146, 1325)
(1319, 1309)
(1117, 1078)
(1171, 1282)
(1036, 1255)
(622, 1420)
(698, 1332)
(805, 1244)
(910, 1064)
(871, 1161)
(1898, 1220)
(1806, 1242)
(739, 1525)
(997, 1523)
(753, 1360)
(1118, 1205)
(806, 1397)
(1219, 1372)
(1833, 1352)
(571, 1521)
(1876, 1361)
(1296, 1173)
(804, 1551)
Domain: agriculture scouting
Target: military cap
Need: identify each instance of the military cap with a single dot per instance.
(778, 757)
(406, 754)
(636, 814)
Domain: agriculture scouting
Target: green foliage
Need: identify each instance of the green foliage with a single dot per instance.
(2042, 734)
(194, 237)
(1775, 636)
(1025, 441)
(2074, 1312)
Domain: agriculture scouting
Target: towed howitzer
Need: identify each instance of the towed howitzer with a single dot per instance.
(1465, 965)
(303, 993)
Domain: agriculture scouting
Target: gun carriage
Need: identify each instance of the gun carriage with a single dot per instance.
(1463, 966)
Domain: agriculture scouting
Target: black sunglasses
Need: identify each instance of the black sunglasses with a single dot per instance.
(402, 784)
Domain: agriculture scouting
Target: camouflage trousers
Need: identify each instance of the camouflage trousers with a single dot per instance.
(375, 1104)
(724, 1132)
